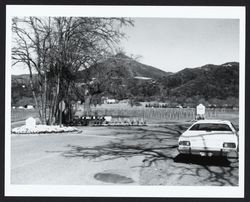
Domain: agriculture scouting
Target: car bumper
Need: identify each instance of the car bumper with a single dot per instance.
(208, 151)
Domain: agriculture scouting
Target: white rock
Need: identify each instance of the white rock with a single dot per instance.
(30, 122)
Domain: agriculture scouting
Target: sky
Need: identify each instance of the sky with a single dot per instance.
(175, 44)
(172, 44)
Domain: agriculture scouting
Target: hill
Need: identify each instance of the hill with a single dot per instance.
(121, 65)
(209, 81)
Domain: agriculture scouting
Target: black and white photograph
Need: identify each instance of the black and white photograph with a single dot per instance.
(125, 101)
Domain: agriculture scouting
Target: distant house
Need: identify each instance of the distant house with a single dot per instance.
(110, 101)
(124, 101)
(29, 106)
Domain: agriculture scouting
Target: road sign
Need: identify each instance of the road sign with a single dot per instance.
(62, 105)
(200, 109)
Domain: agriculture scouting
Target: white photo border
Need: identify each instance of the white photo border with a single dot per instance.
(206, 12)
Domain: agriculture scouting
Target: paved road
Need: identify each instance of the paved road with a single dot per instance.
(45, 159)
(99, 155)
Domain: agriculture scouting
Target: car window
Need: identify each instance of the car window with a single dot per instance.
(235, 128)
(211, 127)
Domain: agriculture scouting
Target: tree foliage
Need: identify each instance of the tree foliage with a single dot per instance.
(56, 49)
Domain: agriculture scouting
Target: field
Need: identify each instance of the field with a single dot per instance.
(151, 115)
(167, 114)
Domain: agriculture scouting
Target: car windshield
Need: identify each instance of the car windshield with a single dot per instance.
(211, 127)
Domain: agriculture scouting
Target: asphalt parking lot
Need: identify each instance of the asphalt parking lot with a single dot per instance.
(115, 155)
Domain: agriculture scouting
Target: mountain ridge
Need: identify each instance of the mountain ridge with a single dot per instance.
(122, 77)
(122, 65)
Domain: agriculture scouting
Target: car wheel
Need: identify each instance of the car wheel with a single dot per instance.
(232, 156)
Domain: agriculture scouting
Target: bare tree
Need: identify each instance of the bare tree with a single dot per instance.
(55, 49)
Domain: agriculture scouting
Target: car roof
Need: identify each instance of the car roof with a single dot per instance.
(213, 121)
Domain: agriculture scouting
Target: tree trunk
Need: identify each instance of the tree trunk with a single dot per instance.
(33, 91)
(42, 105)
(45, 99)
(55, 105)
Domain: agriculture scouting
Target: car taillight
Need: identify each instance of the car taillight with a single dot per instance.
(184, 143)
(229, 145)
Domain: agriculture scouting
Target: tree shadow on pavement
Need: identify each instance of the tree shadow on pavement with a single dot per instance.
(120, 149)
(199, 160)
(158, 146)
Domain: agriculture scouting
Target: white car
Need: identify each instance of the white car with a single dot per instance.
(210, 138)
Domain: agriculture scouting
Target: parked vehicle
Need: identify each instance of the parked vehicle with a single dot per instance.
(210, 138)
